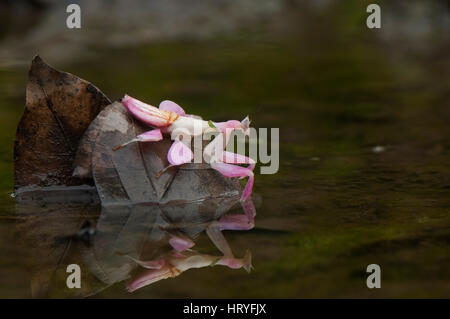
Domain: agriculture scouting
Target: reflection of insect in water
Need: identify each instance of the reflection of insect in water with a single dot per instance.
(171, 118)
(182, 257)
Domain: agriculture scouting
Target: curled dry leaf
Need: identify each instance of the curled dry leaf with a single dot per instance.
(59, 108)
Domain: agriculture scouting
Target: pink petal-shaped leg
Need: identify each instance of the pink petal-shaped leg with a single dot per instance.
(150, 277)
(179, 154)
(230, 170)
(239, 221)
(147, 113)
(149, 136)
(151, 264)
(236, 263)
(236, 222)
(235, 158)
(180, 243)
(172, 106)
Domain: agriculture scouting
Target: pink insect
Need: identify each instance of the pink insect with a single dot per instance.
(170, 117)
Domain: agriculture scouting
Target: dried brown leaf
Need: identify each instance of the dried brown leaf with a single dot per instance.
(59, 108)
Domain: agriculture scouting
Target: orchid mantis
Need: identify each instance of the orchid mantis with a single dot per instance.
(170, 118)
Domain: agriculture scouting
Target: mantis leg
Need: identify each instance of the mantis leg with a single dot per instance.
(228, 259)
(172, 106)
(150, 276)
(230, 170)
(227, 169)
(180, 243)
(231, 222)
(215, 234)
(239, 221)
(149, 136)
(234, 158)
(178, 154)
(150, 264)
(236, 263)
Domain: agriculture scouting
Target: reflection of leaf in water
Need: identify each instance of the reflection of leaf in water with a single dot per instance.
(59, 108)
(48, 233)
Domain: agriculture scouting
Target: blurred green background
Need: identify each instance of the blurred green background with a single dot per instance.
(364, 130)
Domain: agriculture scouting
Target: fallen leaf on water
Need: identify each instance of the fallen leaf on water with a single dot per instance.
(59, 108)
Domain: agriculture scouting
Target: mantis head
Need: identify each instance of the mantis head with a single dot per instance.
(231, 125)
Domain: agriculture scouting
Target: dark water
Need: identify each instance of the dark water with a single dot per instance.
(338, 203)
